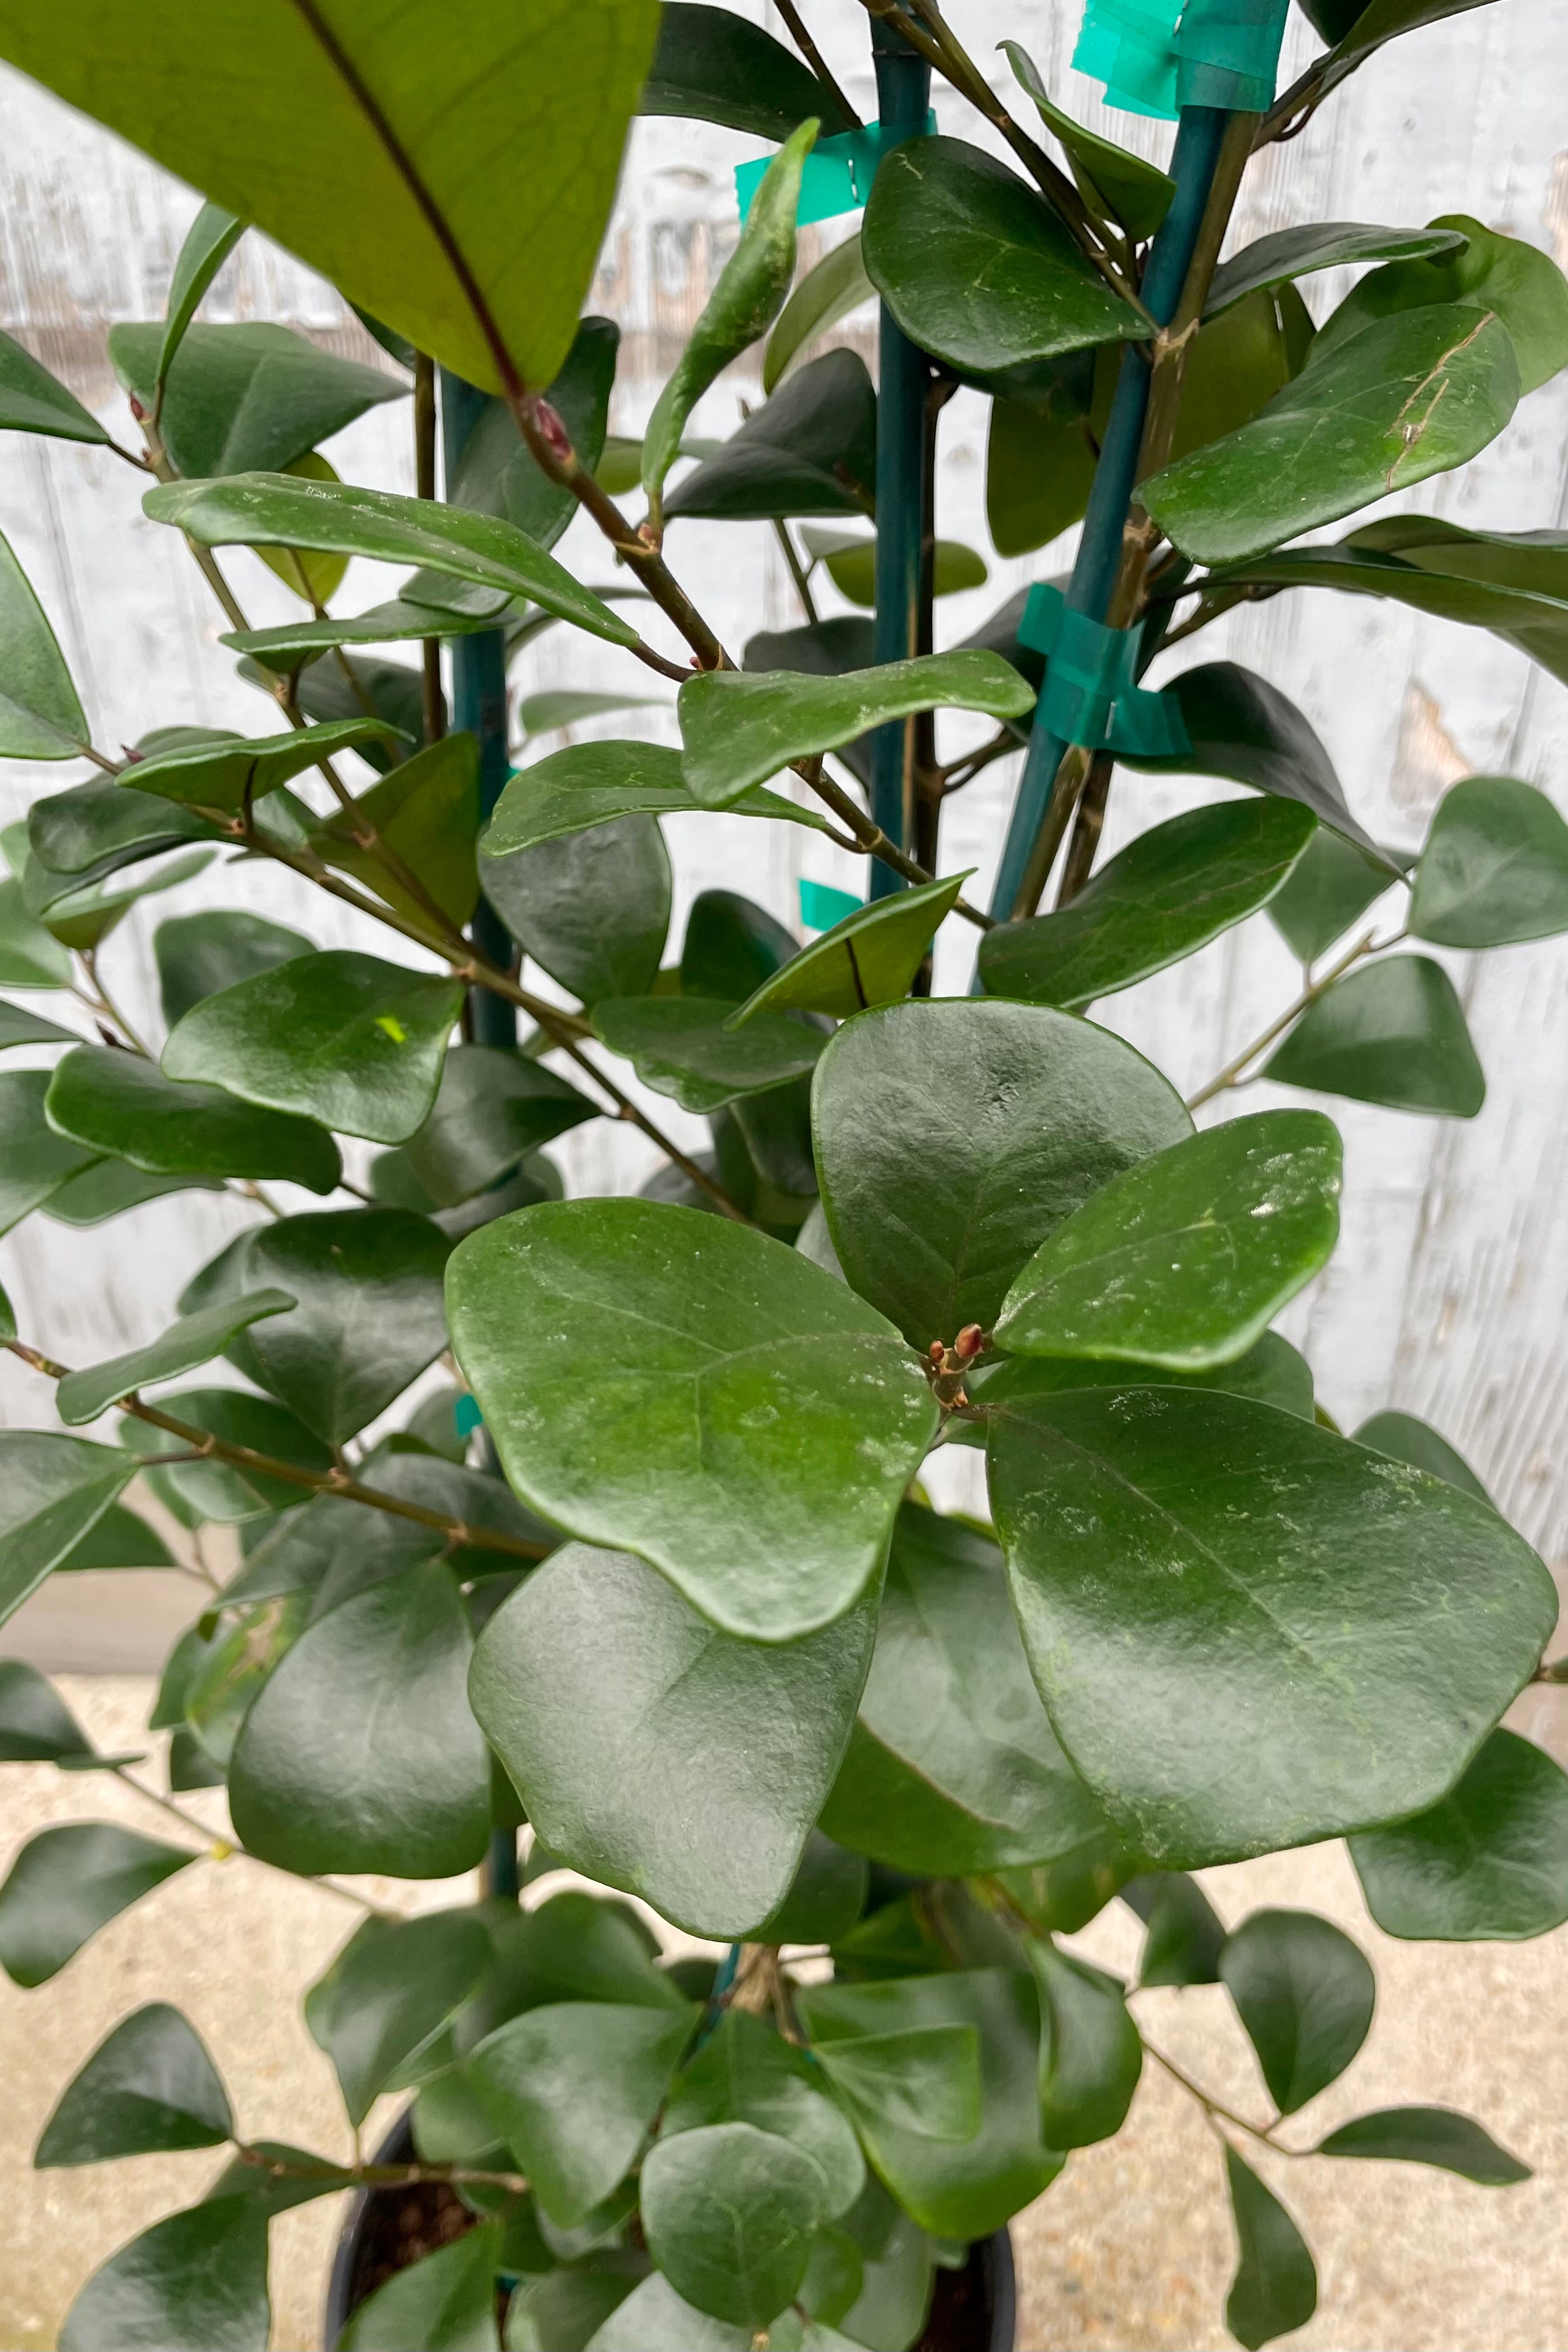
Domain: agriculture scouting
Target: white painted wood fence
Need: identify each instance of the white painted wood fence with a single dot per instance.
(1449, 1293)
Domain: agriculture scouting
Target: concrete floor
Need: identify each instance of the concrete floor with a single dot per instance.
(1129, 2250)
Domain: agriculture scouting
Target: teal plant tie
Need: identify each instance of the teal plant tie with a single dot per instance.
(466, 1413)
(1091, 695)
(821, 906)
(1155, 56)
(839, 171)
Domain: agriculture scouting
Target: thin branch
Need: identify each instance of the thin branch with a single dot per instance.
(222, 1849)
(101, 1001)
(1231, 1076)
(379, 2176)
(801, 35)
(797, 571)
(1090, 824)
(1263, 2134)
(961, 772)
(873, 842)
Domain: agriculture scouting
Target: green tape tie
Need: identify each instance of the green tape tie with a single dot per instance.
(837, 176)
(1091, 696)
(1156, 56)
(821, 906)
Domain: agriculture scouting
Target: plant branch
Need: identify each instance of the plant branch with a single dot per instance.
(800, 34)
(378, 2176)
(1212, 2106)
(871, 838)
(961, 772)
(797, 571)
(1087, 831)
(1231, 1076)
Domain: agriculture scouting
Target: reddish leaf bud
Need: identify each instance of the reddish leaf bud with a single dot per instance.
(969, 1343)
(553, 433)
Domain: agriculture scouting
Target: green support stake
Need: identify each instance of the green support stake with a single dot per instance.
(903, 98)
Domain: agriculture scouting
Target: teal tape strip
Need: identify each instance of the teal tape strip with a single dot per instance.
(467, 1415)
(1156, 56)
(837, 174)
(1091, 696)
(821, 906)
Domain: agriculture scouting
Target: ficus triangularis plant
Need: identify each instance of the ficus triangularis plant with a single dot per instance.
(655, 1571)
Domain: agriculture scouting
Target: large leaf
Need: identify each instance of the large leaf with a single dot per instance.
(1433, 2136)
(670, 1383)
(923, 2079)
(746, 2073)
(361, 1752)
(35, 1162)
(965, 2188)
(1494, 869)
(444, 2302)
(729, 2213)
(811, 449)
(107, 1187)
(395, 1984)
(740, 729)
(954, 1768)
(343, 1038)
(1393, 1034)
(56, 1489)
(1091, 2054)
(33, 401)
(41, 717)
(976, 267)
(194, 1339)
(591, 909)
(117, 1103)
(342, 518)
(712, 65)
(1186, 1259)
(1415, 1441)
(244, 399)
(1291, 253)
(589, 784)
(872, 957)
(426, 813)
(150, 2086)
(1020, 1114)
(685, 1046)
(1186, 1933)
(1332, 883)
(1040, 470)
(1357, 31)
(198, 955)
(1489, 1862)
(1305, 1994)
(731, 945)
(1487, 273)
(196, 2282)
(493, 1108)
(608, 1699)
(573, 2087)
(1274, 2289)
(35, 1724)
(92, 830)
(1170, 892)
(66, 1884)
(1409, 396)
(1185, 1565)
(459, 194)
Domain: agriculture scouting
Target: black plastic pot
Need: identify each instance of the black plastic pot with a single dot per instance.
(359, 2257)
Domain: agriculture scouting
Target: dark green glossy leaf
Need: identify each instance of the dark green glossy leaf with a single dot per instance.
(1115, 185)
(1408, 396)
(30, 957)
(200, 955)
(41, 717)
(1023, 1112)
(444, 2302)
(150, 2086)
(745, 2073)
(976, 267)
(923, 2079)
(1146, 1528)
(837, 285)
(93, 829)
(108, 1188)
(592, 908)
(268, 510)
(66, 1884)
(750, 290)
(247, 398)
(573, 2087)
(897, 2273)
(1170, 892)
(1274, 2289)
(1494, 869)
(653, 2313)
(227, 773)
(361, 1752)
(967, 2188)
(426, 813)
(567, 2308)
(811, 449)
(35, 1162)
(1292, 253)
(1305, 1994)
(1394, 1033)
(33, 401)
(343, 1038)
(953, 1767)
(1489, 1862)
(1409, 1439)
(493, 1108)
(210, 239)
(685, 1046)
(1332, 883)
(1091, 2054)
(658, 1381)
(55, 1491)
(869, 958)
(35, 1724)
(395, 1984)
(590, 784)
(732, 945)
(729, 2213)
(196, 2282)
(115, 1103)
(1239, 362)
(1185, 1259)
(740, 729)
(712, 65)
(497, 473)
(825, 1898)
(607, 1697)
(194, 1339)
(1433, 2136)
(1272, 1371)
(1487, 275)
(1185, 1935)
